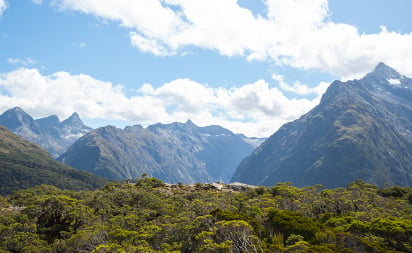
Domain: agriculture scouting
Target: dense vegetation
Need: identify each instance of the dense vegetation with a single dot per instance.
(24, 164)
(150, 216)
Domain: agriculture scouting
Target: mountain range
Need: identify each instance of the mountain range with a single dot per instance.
(48, 132)
(362, 129)
(24, 164)
(177, 152)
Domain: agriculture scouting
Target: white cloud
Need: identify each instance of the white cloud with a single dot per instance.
(255, 109)
(299, 88)
(149, 45)
(25, 62)
(3, 6)
(296, 33)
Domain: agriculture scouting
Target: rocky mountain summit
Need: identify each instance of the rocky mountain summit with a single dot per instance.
(362, 129)
(48, 132)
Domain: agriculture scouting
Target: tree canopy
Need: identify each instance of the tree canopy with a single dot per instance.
(151, 216)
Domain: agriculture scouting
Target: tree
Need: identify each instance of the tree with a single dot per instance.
(60, 216)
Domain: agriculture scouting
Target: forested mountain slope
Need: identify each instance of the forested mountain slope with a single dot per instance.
(24, 165)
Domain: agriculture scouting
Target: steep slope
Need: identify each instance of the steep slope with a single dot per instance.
(177, 152)
(49, 132)
(361, 129)
(24, 164)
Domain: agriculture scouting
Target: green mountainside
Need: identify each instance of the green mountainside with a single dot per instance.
(24, 165)
(362, 129)
(150, 216)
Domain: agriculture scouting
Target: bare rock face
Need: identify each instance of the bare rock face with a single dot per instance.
(362, 129)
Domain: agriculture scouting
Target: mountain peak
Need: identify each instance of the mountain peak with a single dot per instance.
(17, 109)
(385, 71)
(75, 115)
(189, 122)
(73, 126)
(347, 136)
(74, 119)
(15, 117)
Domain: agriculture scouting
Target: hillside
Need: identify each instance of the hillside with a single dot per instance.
(361, 129)
(24, 165)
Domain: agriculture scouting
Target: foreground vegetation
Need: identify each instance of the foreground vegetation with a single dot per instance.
(153, 217)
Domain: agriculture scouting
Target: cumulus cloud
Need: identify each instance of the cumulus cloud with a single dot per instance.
(297, 33)
(3, 6)
(300, 88)
(255, 109)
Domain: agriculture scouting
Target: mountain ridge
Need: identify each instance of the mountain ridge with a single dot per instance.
(49, 132)
(175, 152)
(360, 129)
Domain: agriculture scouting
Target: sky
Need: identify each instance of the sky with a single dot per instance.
(247, 65)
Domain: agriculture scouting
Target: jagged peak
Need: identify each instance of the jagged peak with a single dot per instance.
(16, 117)
(75, 115)
(385, 71)
(16, 110)
(176, 125)
(17, 113)
(190, 122)
(74, 119)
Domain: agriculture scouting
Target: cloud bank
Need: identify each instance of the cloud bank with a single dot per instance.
(255, 109)
(298, 33)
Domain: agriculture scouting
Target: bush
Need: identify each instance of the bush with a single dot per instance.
(288, 222)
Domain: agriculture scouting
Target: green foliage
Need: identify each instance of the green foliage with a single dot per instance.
(288, 223)
(396, 192)
(150, 182)
(154, 217)
(24, 165)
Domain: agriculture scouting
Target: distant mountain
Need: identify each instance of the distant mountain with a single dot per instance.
(24, 164)
(49, 132)
(362, 129)
(177, 152)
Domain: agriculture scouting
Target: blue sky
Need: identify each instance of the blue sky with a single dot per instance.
(247, 65)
